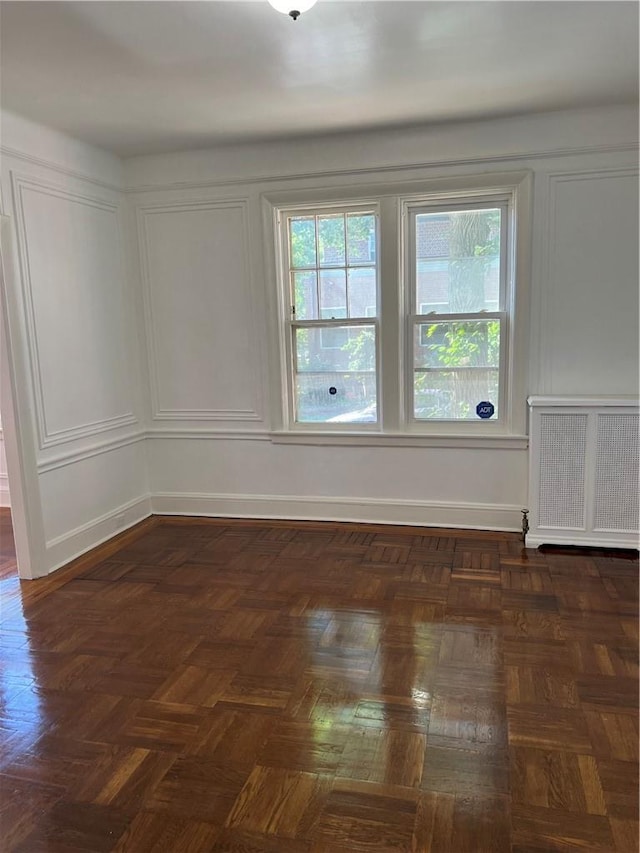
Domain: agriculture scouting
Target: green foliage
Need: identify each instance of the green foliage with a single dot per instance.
(362, 349)
(302, 234)
(454, 393)
(330, 234)
(468, 343)
(474, 243)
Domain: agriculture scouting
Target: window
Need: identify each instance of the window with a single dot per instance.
(332, 281)
(333, 338)
(456, 257)
(441, 341)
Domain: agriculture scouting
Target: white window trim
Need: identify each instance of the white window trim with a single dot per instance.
(441, 203)
(394, 428)
(287, 324)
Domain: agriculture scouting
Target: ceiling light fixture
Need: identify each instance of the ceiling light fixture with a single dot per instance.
(293, 8)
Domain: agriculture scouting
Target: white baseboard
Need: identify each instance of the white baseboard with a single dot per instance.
(67, 547)
(62, 549)
(624, 540)
(5, 498)
(367, 510)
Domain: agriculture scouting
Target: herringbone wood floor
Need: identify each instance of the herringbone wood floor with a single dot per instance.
(229, 686)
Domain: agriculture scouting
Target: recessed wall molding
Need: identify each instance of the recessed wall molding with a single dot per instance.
(206, 415)
(378, 170)
(87, 430)
(47, 436)
(593, 174)
(158, 335)
(208, 434)
(77, 455)
(548, 257)
(52, 166)
(517, 442)
(20, 181)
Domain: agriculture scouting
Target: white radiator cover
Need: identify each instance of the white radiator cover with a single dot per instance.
(584, 470)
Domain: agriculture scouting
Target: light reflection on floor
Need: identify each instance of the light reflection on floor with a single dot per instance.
(21, 705)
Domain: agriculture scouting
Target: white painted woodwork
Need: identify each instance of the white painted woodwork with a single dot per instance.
(199, 310)
(71, 364)
(584, 472)
(185, 342)
(343, 483)
(76, 308)
(106, 482)
(591, 318)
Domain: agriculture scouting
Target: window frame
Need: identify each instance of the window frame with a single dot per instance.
(389, 193)
(291, 324)
(439, 204)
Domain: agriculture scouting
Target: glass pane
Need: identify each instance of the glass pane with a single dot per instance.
(305, 295)
(334, 338)
(456, 368)
(361, 238)
(316, 350)
(362, 292)
(458, 261)
(333, 294)
(457, 344)
(302, 233)
(354, 400)
(454, 394)
(336, 379)
(331, 240)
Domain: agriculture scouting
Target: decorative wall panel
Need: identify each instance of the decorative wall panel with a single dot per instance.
(202, 353)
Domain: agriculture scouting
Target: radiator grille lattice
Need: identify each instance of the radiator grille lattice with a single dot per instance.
(616, 481)
(563, 441)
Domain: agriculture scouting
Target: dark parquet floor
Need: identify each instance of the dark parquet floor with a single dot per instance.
(229, 686)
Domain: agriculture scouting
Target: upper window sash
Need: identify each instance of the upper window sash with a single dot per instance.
(440, 205)
(315, 281)
(342, 292)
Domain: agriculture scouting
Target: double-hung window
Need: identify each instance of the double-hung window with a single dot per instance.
(331, 281)
(457, 270)
(398, 312)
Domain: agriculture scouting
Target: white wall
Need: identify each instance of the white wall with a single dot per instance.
(5, 497)
(141, 317)
(589, 321)
(71, 314)
(210, 317)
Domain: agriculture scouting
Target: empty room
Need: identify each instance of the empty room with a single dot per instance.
(319, 348)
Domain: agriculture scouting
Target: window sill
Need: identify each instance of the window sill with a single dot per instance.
(367, 439)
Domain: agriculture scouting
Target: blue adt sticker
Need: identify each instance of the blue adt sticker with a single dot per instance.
(485, 409)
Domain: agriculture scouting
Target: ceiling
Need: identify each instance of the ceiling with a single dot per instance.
(143, 77)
